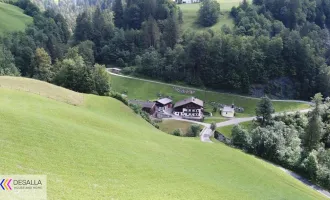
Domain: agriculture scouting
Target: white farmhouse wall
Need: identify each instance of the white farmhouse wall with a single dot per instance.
(227, 114)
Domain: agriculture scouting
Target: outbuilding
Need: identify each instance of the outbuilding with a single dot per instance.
(147, 106)
(228, 111)
(164, 104)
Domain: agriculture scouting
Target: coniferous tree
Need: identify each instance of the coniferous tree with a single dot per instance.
(118, 13)
(265, 110)
(151, 33)
(83, 29)
(171, 31)
(313, 132)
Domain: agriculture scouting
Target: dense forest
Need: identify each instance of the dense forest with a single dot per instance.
(277, 47)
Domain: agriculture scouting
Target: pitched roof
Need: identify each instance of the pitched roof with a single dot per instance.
(189, 100)
(164, 101)
(228, 109)
(143, 104)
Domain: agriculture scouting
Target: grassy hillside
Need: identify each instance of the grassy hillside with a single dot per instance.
(138, 89)
(102, 150)
(190, 13)
(12, 18)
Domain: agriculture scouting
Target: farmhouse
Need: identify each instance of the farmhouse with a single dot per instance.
(164, 103)
(147, 106)
(228, 111)
(189, 108)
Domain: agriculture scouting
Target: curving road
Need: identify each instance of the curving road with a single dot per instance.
(234, 121)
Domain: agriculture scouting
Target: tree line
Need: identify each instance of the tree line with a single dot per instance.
(286, 56)
(43, 52)
(299, 142)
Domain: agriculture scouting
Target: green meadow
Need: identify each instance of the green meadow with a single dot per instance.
(190, 14)
(144, 90)
(100, 149)
(12, 18)
(168, 126)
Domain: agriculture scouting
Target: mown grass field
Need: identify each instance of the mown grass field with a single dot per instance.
(226, 130)
(139, 89)
(102, 150)
(190, 14)
(12, 18)
(168, 126)
(210, 120)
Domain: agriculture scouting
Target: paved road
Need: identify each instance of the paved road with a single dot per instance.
(304, 181)
(186, 120)
(205, 135)
(196, 89)
(246, 119)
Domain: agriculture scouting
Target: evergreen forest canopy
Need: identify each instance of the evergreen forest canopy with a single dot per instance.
(281, 46)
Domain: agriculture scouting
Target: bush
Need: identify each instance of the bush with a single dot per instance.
(240, 137)
(193, 131)
(135, 108)
(177, 132)
(119, 97)
(213, 126)
(128, 70)
(208, 13)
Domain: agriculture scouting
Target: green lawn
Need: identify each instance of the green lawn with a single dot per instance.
(168, 126)
(226, 130)
(12, 18)
(209, 120)
(190, 13)
(102, 150)
(139, 89)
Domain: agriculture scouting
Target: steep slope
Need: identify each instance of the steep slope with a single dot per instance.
(12, 18)
(102, 150)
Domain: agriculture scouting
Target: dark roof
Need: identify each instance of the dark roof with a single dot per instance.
(143, 104)
(189, 100)
(164, 101)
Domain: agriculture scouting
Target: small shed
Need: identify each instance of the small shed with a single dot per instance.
(228, 111)
(147, 106)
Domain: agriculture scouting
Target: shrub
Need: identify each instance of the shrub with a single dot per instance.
(240, 137)
(177, 132)
(119, 97)
(193, 131)
(128, 70)
(135, 108)
(213, 126)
